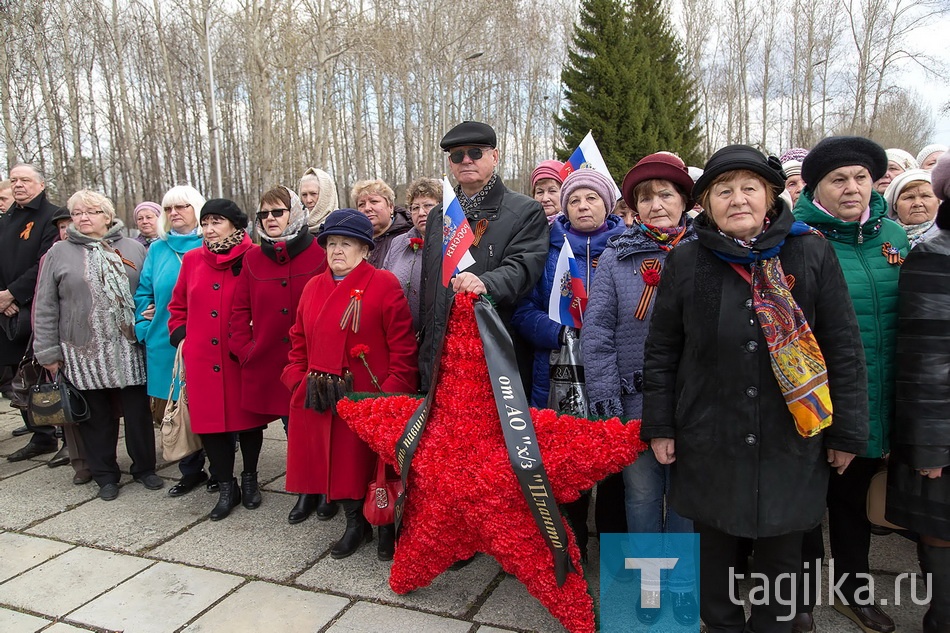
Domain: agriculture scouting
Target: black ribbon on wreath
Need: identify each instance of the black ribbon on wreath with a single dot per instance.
(517, 428)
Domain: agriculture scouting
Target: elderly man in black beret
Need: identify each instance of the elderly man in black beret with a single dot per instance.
(511, 242)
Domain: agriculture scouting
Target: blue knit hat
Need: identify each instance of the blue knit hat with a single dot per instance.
(348, 223)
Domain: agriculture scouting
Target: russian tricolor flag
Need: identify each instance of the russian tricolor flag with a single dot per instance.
(588, 154)
(457, 235)
(568, 296)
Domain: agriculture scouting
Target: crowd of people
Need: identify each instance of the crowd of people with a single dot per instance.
(776, 323)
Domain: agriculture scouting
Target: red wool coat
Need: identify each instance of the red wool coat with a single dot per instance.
(323, 454)
(201, 308)
(265, 305)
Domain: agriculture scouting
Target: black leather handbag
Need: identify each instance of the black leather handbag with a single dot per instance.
(56, 402)
(29, 372)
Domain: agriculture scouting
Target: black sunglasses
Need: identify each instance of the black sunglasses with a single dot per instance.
(475, 153)
(276, 213)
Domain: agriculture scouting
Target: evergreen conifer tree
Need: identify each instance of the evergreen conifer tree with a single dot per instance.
(625, 81)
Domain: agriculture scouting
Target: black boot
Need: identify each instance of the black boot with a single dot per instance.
(936, 562)
(229, 495)
(358, 529)
(386, 546)
(250, 492)
(305, 505)
(326, 509)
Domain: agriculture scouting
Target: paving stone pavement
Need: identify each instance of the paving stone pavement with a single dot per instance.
(147, 563)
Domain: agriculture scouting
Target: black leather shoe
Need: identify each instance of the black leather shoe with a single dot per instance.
(108, 492)
(870, 618)
(186, 484)
(229, 496)
(22, 430)
(151, 481)
(212, 485)
(326, 510)
(803, 623)
(31, 450)
(250, 491)
(463, 563)
(386, 545)
(649, 612)
(61, 458)
(82, 478)
(358, 530)
(685, 608)
(305, 505)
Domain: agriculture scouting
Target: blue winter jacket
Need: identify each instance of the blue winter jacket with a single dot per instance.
(531, 318)
(613, 338)
(159, 275)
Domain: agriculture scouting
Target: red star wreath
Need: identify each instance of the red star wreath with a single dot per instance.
(464, 497)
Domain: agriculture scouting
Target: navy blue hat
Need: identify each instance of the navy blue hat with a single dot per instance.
(736, 157)
(349, 223)
(226, 209)
(469, 133)
(843, 151)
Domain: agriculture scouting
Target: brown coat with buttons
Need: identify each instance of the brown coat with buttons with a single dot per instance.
(199, 312)
(265, 306)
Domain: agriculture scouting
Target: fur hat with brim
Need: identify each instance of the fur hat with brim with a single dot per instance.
(591, 179)
(226, 209)
(835, 152)
(469, 133)
(348, 223)
(740, 157)
(659, 166)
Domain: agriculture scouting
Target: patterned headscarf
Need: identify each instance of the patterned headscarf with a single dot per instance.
(297, 218)
(328, 201)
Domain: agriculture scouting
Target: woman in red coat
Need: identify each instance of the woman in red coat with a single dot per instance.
(351, 304)
(265, 304)
(201, 305)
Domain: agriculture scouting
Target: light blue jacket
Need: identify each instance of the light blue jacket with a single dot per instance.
(159, 274)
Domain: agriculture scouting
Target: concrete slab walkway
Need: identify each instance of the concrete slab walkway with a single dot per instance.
(147, 563)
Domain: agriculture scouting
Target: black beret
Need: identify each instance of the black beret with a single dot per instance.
(469, 133)
(226, 209)
(843, 151)
(736, 157)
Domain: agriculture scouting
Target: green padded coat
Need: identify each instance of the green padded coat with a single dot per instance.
(872, 282)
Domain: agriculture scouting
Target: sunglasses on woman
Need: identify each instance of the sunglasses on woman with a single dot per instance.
(475, 153)
(275, 213)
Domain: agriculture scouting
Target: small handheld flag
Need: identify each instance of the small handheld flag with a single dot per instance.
(457, 235)
(568, 295)
(588, 154)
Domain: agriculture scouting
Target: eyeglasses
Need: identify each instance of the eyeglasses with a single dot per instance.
(274, 213)
(79, 214)
(177, 207)
(475, 153)
(420, 208)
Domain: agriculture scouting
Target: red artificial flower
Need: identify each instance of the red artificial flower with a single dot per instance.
(465, 497)
(358, 351)
(651, 277)
(357, 294)
(416, 243)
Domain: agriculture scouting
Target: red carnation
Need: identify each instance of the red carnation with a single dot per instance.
(651, 277)
(359, 351)
(416, 243)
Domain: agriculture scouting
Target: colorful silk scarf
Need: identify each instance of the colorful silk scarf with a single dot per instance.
(665, 238)
(797, 361)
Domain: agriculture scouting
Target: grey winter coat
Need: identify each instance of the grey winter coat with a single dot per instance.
(73, 318)
(406, 264)
(612, 337)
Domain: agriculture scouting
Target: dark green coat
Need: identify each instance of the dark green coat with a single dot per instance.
(872, 282)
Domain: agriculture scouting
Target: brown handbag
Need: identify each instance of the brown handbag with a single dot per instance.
(178, 440)
(28, 373)
(379, 507)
